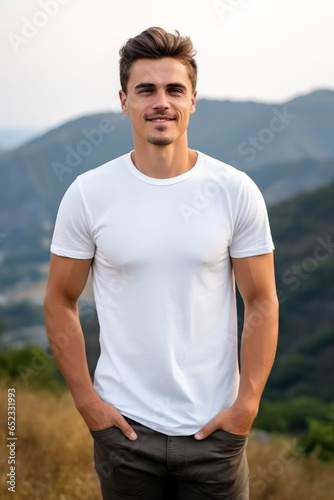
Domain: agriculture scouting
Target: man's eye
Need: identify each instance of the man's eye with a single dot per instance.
(142, 91)
(176, 90)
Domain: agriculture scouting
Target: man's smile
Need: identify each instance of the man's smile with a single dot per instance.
(160, 119)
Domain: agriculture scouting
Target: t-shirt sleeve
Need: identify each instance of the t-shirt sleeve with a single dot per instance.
(251, 234)
(72, 236)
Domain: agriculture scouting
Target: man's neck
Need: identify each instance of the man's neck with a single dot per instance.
(163, 162)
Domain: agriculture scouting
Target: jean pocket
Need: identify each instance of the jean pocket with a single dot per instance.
(224, 465)
(101, 432)
(230, 444)
(241, 437)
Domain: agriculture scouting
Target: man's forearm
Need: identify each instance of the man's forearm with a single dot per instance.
(68, 347)
(256, 283)
(67, 343)
(258, 348)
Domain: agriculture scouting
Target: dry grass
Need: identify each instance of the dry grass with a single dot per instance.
(54, 457)
(280, 471)
(54, 449)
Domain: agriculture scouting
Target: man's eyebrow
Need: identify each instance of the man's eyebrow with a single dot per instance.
(178, 85)
(144, 85)
(152, 85)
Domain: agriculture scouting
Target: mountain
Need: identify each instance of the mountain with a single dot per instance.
(250, 134)
(34, 176)
(278, 181)
(255, 137)
(11, 138)
(303, 232)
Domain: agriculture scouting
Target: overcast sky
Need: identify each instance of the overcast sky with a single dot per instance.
(59, 58)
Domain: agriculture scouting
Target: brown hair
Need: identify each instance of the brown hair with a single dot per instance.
(155, 43)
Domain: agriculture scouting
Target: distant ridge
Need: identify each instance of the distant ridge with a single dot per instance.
(284, 147)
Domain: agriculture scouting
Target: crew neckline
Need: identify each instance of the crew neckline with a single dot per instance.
(170, 180)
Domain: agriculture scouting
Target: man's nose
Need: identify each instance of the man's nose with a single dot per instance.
(160, 101)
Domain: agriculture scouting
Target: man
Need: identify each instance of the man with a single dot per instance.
(165, 230)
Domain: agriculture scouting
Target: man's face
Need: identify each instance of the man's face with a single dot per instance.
(159, 100)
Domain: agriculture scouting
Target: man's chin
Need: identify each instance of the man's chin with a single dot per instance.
(160, 141)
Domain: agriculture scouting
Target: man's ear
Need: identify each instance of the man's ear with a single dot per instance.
(124, 102)
(193, 102)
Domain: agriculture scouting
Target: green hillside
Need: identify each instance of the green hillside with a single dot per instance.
(301, 384)
(303, 231)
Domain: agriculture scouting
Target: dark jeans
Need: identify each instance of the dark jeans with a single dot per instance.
(160, 467)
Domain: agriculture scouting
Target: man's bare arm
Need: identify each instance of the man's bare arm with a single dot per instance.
(256, 282)
(67, 278)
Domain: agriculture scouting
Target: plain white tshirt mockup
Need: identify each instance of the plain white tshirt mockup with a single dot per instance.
(163, 283)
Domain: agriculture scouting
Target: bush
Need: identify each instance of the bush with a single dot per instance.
(32, 367)
(319, 440)
(291, 415)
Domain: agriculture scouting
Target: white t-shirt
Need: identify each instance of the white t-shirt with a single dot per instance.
(163, 284)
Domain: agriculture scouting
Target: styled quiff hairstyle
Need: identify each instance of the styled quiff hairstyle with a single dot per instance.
(155, 43)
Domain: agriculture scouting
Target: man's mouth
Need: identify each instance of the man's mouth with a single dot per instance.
(160, 119)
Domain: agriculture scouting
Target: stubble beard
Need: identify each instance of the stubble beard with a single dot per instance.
(160, 141)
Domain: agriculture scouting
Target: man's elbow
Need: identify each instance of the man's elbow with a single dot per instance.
(265, 301)
(262, 310)
(54, 302)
